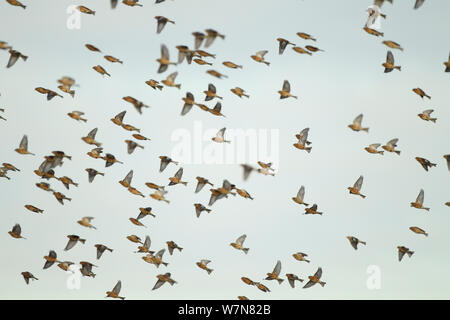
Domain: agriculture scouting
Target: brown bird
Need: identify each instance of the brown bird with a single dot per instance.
(172, 246)
(136, 103)
(202, 264)
(248, 281)
(67, 90)
(145, 248)
(240, 243)
(110, 160)
(239, 92)
(90, 138)
(401, 252)
(134, 238)
(170, 80)
(199, 208)
(50, 93)
(259, 57)
(14, 56)
(390, 146)
(285, 92)
(176, 179)
(126, 182)
(315, 279)
(27, 276)
(113, 59)
(164, 61)
(205, 54)
(393, 45)
(231, 65)
(44, 186)
(60, 197)
(301, 50)
(16, 3)
(262, 287)
(357, 187)
(217, 110)
(418, 231)
(9, 167)
(73, 239)
(425, 163)
(313, 49)
(100, 249)
(85, 10)
(312, 210)
(86, 269)
(426, 115)
(211, 93)
(291, 279)
(211, 35)
(16, 232)
(274, 275)
(66, 181)
(373, 32)
(23, 146)
(101, 70)
(132, 3)
(33, 208)
(76, 115)
(118, 119)
(161, 23)
(419, 201)
(92, 48)
(154, 84)
(305, 36)
(303, 140)
(421, 93)
(242, 298)
(389, 64)
(114, 293)
(247, 170)
(201, 183)
(372, 148)
(198, 38)
(243, 193)
(216, 74)
(163, 278)
(355, 241)
(145, 212)
(299, 197)
(140, 137)
(95, 153)
(189, 101)
(86, 222)
(155, 259)
(164, 162)
(131, 146)
(92, 173)
(50, 259)
(283, 43)
(4, 45)
(185, 52)
(300, 256)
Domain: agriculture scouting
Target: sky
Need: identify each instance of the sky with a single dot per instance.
(333, 87)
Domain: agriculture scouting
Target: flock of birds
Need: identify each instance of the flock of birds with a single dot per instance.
(46, 171)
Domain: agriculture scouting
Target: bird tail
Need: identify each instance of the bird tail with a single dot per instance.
(428, 209)
(209, 271)
(165, 264)
(308, 149)
(159, 87)
(267, 63)
(307, 261)
(245, 250)
(181, 249)
(363, 196)
(322, 283)
(397, 152)
(399, 68)
(381, 152)
(184, 182)
(410, 253)
(362, 242)
(178, 86)
(82, 241)
(280, 281)
(295, 97)
(433, 120)
(85, 120)
(428, 96)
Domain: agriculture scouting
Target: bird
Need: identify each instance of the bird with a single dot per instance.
(165, 161)
(23, 146)
(16, 232)
(198, 39)
(189, 101)
(138, 105)
(164, 61)
(243, 193)
(14, 56)
(217, 110)
(300, 256)
(171, 246)
(315, 279)
(211, 93)
(418, 4)
(357, 187)
(113, 59)
(201, 183)
(299, 197)
(66, 181)
(355, 241)
(199, 208)
(114, 293)
(390, 146)
(17, 4)
(373, 32)
(33, 208)
(90, 138)
(239, 92)
(312, 210)
(134, 238)
(86, 222)
(283, 43)
(356, 125)
(176, 179)
(85, 10)
(92, 173)
(170, 80)
(292, 278)
(231, 65)
(285, 92)
(100, 249)
(389, 64)
(50, 259)
(161, 23)
(219, 138)
(163, 278)
(372, 148)
(373, 20)
(202, 264)
(247, 170)
(392, 44)
(426, 115)
(27, 276)
(92, 48)
(154, 84)
(401, 252)
(77, 115)
(418, 204)
(305, 36)
(418, 231)
(50, 93)
(86, 269)
(274, 275)
(421, 93)
(126, 182)
(238, 244)
(73, 239)
(131, 146)
(216, 74)
(155, 259)
(425, 163)
(61, 197)
(211, 35)
(101, 70)
(302, 140)
(259, 57)
(313, 49)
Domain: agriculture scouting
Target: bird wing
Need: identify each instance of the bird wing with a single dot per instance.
(374, 145)
(211, 88)
(92, 133)
(241, 239)
(12, 60)
(286, 86)
(158, 284)
(221, 133)
(277, 268)
(120, 116)
(393, 142)
(301, 193)
(261, 53)
(309, 284)
(420, 197)
(205, 262)
(428, 112)
(390, 57)
(358, 183)
(163, 165)
(226, 184)
(129, 177)
(160, 26)
(199, 187)
(117, 287)
(291, 282)
(400, 255)
(418, 4)
(358, 119)
(218, 107)
(318, 273)
(160, 253)
(164, 52)
(24, 143)
(147, 242)
(179, 173)
(171, 77)
(16, 229)
(70, 244)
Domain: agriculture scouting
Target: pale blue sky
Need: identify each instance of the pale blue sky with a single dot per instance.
(333, 88)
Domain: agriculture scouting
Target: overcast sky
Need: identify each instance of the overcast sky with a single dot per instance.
(333, 87)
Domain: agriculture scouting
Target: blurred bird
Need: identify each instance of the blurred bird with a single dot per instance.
(373, 32)
(262, 287)
(16, 232)
(161, 23)
(242, 298)
(205, 54)
(313, 49)
(131, 146)
(126, 182)
(211, 35)
(185, 52)
(300, 256)
(421, 93)
(86, 269)
(50, 259)
(355, 241)
(211, 93)
(248, 281)
(176, 179)
(85, 10)
(86, 222)
(159, 195)
(389, 64)
(299, 197)
(118, 118)
(315, 279)
(33, 208)
(301, 50)
(357, 187)
(140, 137)
(283, 43)
(426, 115)
(285, 92)
(302, 140)
(189, 101)
(164, 162)
(90, 138)
(100, 249)
(373, 20)
(92, 48)
(201, 183)
(231, 65)
(274, 275)
(14, 56)
(44, 186)
(114, 293)
(199, 208)
(17, 4)
(164, 61)
(101, 70)
(247, 170)
(66, 181)
(23, 146)
(76, 115)
(312, 210)
(418, 231)
(418, 4)
(156, 259)
(3, 173)
(216, 74)
(4, 45)
(73, 239)
(154, 84)
(305, 36)
(113, 59)
(110, 160)
(202, 264)
(27, 276)
(291, 279)
(172, 246)
(66, 266)
(419, 201)
(243, 193)
(95, 153)
(50, 93)
(217, 110)
(390, 146)
(372, 148)
(60, 197)
(393, 45)
(67, 90)
(239, 92)
(92, 173)
(9, 167)
(259, 57)
(145, 248)
(199, 37)
(138, 105)
(170, 80)
(136, 222)
(425, 163)
(163, 278)
(401, 252)
(239, 244)
(134, 238)
(219, 138)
